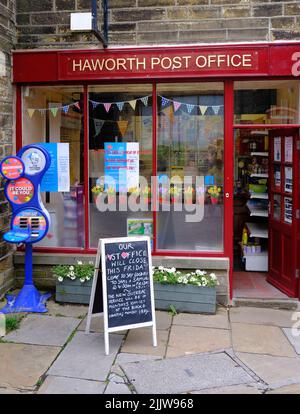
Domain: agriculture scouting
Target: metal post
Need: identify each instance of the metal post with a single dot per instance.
(28, 265)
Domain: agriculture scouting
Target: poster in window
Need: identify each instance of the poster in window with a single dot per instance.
(288, 149)
(277, 149)
(277, 176)
(288, 181)
(288, 209)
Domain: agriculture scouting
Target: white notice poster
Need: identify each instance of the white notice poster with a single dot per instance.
(277, 149)
(288, 149)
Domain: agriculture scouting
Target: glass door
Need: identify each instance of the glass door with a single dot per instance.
(284, 210)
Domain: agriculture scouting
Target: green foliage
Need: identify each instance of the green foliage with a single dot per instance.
(172, 310)
(12, 323)
(81, 271)
(171, 276)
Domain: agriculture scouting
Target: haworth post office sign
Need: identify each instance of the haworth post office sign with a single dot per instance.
(189, 61)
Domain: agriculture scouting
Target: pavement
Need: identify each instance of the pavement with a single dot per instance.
(240, 350)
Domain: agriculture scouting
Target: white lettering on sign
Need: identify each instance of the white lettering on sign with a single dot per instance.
(201, 61)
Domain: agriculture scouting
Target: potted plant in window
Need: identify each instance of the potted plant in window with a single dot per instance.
(214, 193)
(186, 292)
(96, 191)
(74, 282)
(188, 194)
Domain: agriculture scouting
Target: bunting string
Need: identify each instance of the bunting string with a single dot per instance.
(120, 104)
(53, 109)
(189, 107)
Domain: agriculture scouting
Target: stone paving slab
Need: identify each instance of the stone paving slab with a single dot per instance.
(139, 341)
(124, 358)
(288, 389)
(163, 322)
(181, 375)
(114, 388)
(186, 340)
(262, 316)
(14, 391)
(22, 365)
(74, 311)
(62, 385)
(219, 320)
(97, 325)
(271, 369)
(260, 339)
(233, 389)
(43, 330)
(294, 340)
(84, 357)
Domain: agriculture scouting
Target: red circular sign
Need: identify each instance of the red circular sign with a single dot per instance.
(12, 168)
(20, 191)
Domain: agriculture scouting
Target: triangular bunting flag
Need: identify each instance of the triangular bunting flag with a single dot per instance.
(30, 112)
(169, 112)
(65, 109)
(95, 104)
(164, 101)
(120, 105)
(132, 104)
(54, 111)
(77, 104)
(107, 106)
(98, 126)
(122, 127)
(202, 109)
(216, 109)
(189, 108)
(42, 111)
(176, 105)
(145, 100)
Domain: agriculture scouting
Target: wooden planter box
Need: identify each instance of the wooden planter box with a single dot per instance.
(185, 298)
(73, 291)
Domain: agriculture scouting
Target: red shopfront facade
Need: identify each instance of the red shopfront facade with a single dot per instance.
(189, 108)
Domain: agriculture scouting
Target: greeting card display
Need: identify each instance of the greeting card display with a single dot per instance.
(30, 220)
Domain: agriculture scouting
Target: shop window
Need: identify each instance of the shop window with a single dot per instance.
(266, 102)
(120, 160)
(55, 115)
(190, 151)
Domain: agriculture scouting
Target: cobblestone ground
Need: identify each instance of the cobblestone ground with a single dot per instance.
(239, 350)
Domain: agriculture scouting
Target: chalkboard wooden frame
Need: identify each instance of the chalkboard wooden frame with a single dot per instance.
(101, 257)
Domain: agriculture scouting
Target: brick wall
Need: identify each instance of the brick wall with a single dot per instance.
(7, 41)
(137, 22)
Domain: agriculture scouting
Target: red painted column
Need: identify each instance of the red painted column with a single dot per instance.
(228, 175)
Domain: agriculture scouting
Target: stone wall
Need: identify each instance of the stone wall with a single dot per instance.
(152, 22)
(7, 41)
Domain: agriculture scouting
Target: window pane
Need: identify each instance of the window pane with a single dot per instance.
(190, 144)
(120, 147)
(54, 114)
(266, 102)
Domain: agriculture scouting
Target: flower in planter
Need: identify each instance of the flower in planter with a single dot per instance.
(82, 271)
(214, 193)
(172, 276)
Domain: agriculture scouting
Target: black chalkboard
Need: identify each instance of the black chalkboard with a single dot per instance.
(128, 281)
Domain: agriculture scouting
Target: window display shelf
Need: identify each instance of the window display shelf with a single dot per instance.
(258, 211)
(262, 196)
(260, 154)
(258, 230)
(259, 175)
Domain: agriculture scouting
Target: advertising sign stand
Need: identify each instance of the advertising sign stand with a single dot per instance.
(30, 220)
(127, 296)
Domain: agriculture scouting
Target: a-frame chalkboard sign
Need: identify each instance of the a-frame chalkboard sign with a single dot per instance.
(126, 297)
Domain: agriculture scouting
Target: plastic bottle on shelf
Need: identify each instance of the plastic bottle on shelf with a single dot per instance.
(245, 237)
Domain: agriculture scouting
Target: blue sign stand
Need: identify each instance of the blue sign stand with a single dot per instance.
(30, 220)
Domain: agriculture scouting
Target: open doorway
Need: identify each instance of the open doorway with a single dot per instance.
(266, 205)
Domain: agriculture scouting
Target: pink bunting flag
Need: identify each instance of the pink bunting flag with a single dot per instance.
(107, 106)
(176, 105)
(77, 104)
